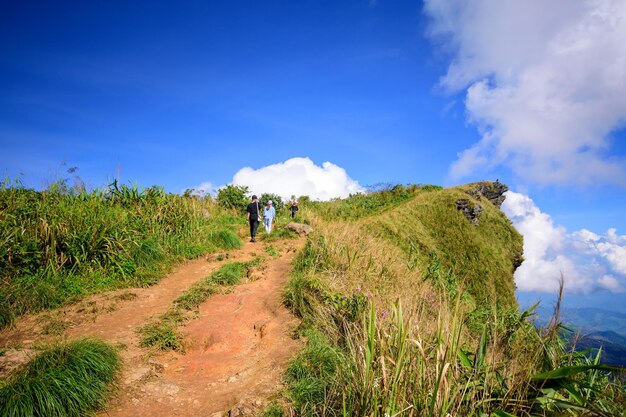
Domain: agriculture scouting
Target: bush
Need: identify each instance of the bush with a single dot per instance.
(277, 201)
(233, 197)
(72, 379)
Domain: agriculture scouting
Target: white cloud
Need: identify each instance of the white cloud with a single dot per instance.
(610, 283)
(299, 176)
(546, 84)
(588, 261)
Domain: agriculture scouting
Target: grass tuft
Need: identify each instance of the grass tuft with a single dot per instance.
(230, 274)
(226, 239)
(162, 335)
(71, 379)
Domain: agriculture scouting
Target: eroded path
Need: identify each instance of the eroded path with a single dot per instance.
(236, 349)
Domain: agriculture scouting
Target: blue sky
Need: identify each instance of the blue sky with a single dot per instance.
(184, 93)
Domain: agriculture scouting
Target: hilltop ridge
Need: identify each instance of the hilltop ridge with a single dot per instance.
(456, 239)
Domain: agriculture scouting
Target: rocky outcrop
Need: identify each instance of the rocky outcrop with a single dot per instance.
(492, 191)
(299, 228)
(471, 211)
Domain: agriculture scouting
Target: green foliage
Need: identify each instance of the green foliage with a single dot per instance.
(233, 197)
(477, 259)
(574, 382)
(443, 279)
(57, 245)
(196, 295)
(71, 379)
(277, 201)
(384, 367)
(6, 313)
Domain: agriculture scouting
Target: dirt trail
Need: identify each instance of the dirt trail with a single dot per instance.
(236, 350)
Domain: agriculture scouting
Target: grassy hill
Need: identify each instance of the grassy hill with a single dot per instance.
(408, 308)
(415, 239)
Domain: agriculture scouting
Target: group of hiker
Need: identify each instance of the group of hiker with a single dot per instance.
(253, 216)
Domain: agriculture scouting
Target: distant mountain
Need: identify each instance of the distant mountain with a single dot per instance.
(596, 328)
(613, 346)
(585, 319)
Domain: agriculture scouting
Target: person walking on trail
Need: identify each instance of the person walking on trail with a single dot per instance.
(253, 217)
(268, 216)
(294, 209)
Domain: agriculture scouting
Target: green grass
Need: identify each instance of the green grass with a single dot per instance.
(71, 379)
(232, 273)
(273, 410)
(272, 251)
(163, 334)
(196, 295)
(59, 245)
(311, 373)
(279, 233)
(226, 239)
(53, 325)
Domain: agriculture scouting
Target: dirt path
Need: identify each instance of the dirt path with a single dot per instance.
(236, 350)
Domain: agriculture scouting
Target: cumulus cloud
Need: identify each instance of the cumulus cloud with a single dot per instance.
(545, 83)
(586, 260)
(299, 176)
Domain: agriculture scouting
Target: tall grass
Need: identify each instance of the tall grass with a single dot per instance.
(385, 362)
(72, 379)
(59, 245)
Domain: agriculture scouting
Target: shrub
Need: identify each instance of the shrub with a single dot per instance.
(233, 197)
(277, 201)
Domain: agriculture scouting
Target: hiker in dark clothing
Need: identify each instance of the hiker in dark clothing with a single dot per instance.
(252, 217)
(294, 209)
